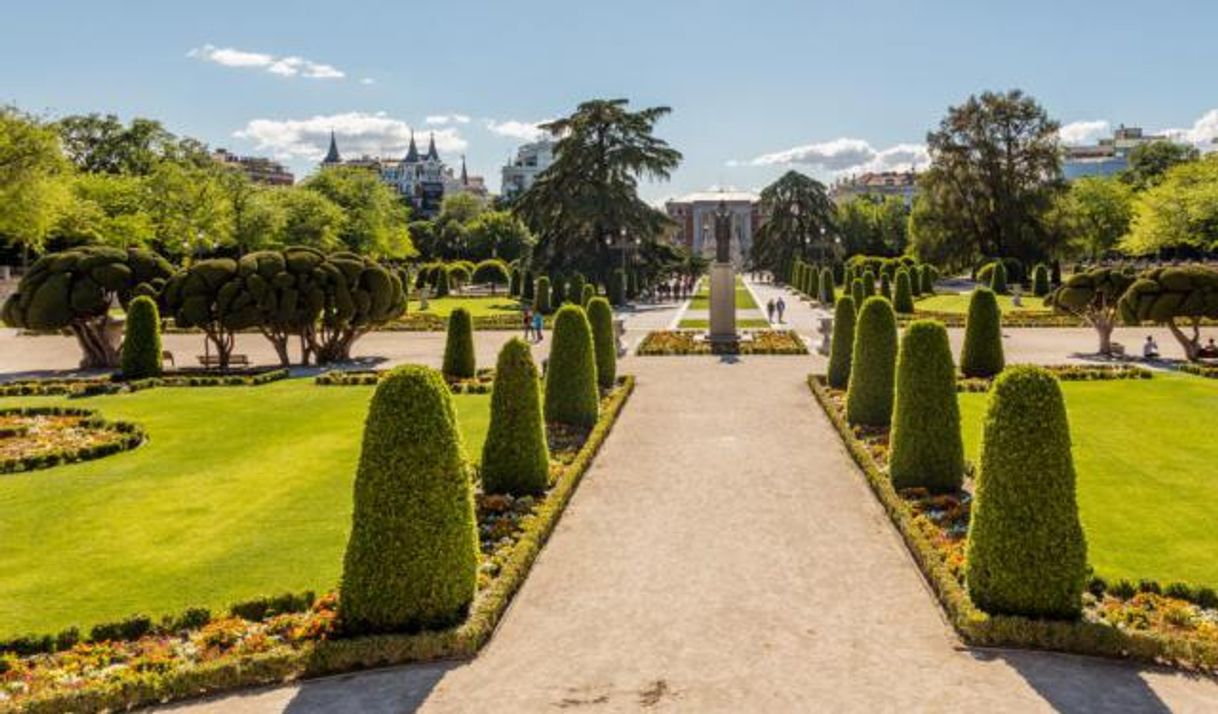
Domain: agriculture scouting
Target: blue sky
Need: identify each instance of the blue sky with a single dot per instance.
(756, 88)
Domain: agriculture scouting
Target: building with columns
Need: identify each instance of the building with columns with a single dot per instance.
(695, 218)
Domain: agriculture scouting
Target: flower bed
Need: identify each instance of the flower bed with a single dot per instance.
(265, 645)
(428, 322)
(95, 386)
(479, 384)
(682, 342)
(41, 437)
(1009, 319)
(1172, 625)
(1068, 373)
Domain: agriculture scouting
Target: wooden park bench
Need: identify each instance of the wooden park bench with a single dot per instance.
(167, 356)
(212, 361)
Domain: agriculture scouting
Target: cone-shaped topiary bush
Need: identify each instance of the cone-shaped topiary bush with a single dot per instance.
(558, 292)
(528, 287)
(885, 287)
(998, 279)
(928, 277)
(575, 289)
(1026, 552)
(1040, 281)
(442, 285)
(841, 345)
(459, 346)
(571, 393)
(541, 297)
(915, 280)
(813, 282)
(600, 316)
(872, 364)
(868, 285)
(826, 287)
(514, 283)
(617, 287)
(982, 353)
(858, 292)
(926, 448)
(589, 293)
(632, 284)
(902, 299)
(515, 458)
(412, 558)
(141, 351)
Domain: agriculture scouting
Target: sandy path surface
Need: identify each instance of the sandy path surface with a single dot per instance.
(724, 555)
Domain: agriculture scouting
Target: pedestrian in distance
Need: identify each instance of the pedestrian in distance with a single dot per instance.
(781, 306)
(528, 324)
(538, 323)
(769, 310)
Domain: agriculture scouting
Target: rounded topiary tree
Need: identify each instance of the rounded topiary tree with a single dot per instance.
(589, 292)
(1040, 281)
(515, 458)
(600, 316)
(141, 349)
(885, 287)
(412, 557)
(1026, 552)
(902, 299)
(459, 360)
(982, 353)
(872, 364)
(926, 448)
(858, 292)
(842, 343)
(998, 280)
(575, 289)
(617, 287)
(491, 272)
(571, 383)
(541, 297)
(826, 296)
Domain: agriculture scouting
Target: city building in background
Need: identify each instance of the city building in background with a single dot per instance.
(422, 179)
(695, 218)
(876, 183)
(520, 173)
(1108, 157)
(257, 168)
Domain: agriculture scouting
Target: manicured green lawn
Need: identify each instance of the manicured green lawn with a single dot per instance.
(958, 303)
(744, 298)
(477, 306)
(240, 491)
(1145, 454)
(747, 323)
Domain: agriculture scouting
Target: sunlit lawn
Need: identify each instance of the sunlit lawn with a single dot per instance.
(240, 491)
(477, 306)
(958, 303)
(1145, 456)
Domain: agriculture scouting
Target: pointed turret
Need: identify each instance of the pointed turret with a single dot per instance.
(412, 154)
(431, 148)
(332, 156)
(464, 175)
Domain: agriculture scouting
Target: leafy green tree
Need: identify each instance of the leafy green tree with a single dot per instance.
(75, 290)
(412, 558)
(190, 209)
(871, 225)
(103, 144)
(1180, 210)
(286, 289)
(1097, 212)
(498, 234)
(375, 218)
(927, 449)
(209, 295)
(1094, 296)
(34, 180)
(108, 209)
(591, 190)
(1170, 296)
(1149, 162)
(515, 456)
(308, 218)
(360, 295)
(491, 272)
(799, 223)
(995, 169)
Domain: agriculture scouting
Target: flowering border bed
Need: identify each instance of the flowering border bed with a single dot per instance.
(126, 436)
(306, 655)
(681, 343)
(1069, 373)
(479, 384)
(95, 386)
(931, 531)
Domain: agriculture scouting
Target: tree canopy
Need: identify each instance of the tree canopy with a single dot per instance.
(799, 224)
(1181, 210)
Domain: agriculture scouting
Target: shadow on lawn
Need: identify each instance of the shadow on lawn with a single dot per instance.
(1073, 684)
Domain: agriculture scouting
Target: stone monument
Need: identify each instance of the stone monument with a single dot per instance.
(723, 281)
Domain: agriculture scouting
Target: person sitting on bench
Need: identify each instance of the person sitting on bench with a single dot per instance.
(1210, 350)
(1150, 350)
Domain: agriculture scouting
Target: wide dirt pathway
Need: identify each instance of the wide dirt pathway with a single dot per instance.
(724, 555)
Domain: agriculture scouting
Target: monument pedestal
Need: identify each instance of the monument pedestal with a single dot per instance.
(723, 303)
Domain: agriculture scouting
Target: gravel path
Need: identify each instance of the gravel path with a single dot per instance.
(724, 555)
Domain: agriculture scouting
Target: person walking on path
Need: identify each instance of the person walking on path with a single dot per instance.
(538, 323)
(528, 324)
(781, 306)
(769, 310)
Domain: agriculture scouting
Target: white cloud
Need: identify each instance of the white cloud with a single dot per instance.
(442, 119)
(513, 129)
(1084, 132)
(358, 133)
(282, 66)
(367, 80)
(845, 155)
(1203, 131)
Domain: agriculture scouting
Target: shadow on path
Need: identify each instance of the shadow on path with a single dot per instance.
(1077, 685)
(390, 691)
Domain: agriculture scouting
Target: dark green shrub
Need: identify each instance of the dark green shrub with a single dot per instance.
(142, 344)
(442, 286)
(514, 284)
(915, 279)
(926, 448)
(575, 289)
(515, 458)
(600, 316)
(571, 383)
(841, 345)
(617, 287)
(541, 299)
(260, 608)
(1123, 589)
(528, 287)
(998, 281)
(868, 284)
(558, 292)
(632, 284)
(412, 558)
(1040, 281)
(1026, 553)
(589, 292)
(982, 353)
(929, 277)
(885, 287)
(1180, 591)
(858, 292)
(459, 360)
(191, 619)
(813, 282)
(132, 628)
(826, 287)
(1055, 274)
(902, 299)
(872, 364)
(492, 272)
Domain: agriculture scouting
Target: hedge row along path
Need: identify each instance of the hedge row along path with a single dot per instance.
(723, 554)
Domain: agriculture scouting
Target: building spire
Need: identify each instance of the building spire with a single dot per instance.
(464, 175)
(332, 156)
(431, 148)
(412, 154)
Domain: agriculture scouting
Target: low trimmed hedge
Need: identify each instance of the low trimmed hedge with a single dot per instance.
(479, 384)
(127, 437)
(1200, 370)
(1067, 373)
(682, 343)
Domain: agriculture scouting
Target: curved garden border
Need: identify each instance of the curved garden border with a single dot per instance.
(128, 436)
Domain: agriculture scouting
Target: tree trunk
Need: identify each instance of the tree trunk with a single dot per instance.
(100, 350)
(1191, 346)
(279, 340)
(1103, 327)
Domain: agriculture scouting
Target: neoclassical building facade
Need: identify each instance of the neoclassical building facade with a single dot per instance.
(695, 218)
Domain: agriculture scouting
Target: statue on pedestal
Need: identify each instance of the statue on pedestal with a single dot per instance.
(723, 234)
(723, 280)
